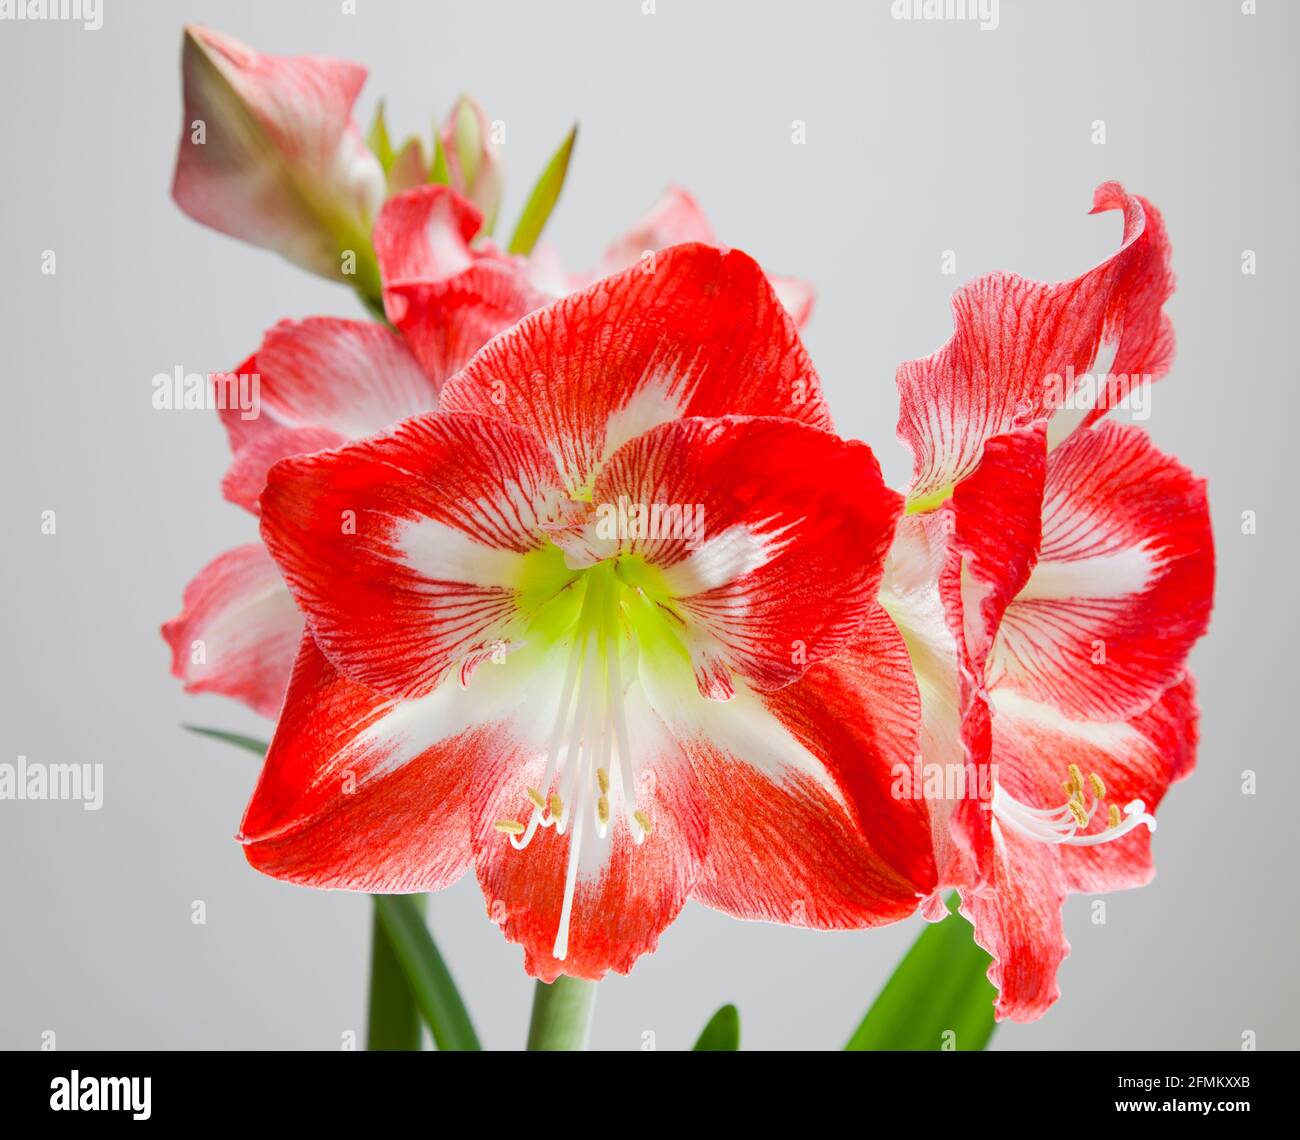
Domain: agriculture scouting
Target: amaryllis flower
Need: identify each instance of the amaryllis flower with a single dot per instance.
(269, 154)
(1051, 575)
(605, 627)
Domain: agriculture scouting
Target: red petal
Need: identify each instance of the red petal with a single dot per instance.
(406, 550)
(1018, 920)
(700, 335)
(625, 895)
(319, 382)
(424, 234)
(239, 617)
(361, 792)
(1123, 585)
(1013, 335)
(805, 826)
(768, 512)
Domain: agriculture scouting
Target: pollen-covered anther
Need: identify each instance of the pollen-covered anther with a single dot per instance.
(539, 801)
(602, 778)
(1098, 787)
(1076, 776)
(509, 826)
(602, 809)
(643, 820)
(1113, 816)
(1076, 810)
(557, 805)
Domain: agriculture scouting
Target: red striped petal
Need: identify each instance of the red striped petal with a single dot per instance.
(700, 335)
(238, 631)
(406, 551)
(1016, 341)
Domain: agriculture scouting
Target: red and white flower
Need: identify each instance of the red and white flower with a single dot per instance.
(1050, 578)
(602, 724)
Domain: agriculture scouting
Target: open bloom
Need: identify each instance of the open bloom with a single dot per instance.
(1050, 576)
(269, 154)
(606, 628)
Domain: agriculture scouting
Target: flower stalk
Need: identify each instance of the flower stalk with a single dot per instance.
(561, 1020)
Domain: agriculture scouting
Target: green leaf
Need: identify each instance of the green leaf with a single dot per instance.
(426, 973)
(394, 1022)
(722, 1034)
(378, 141)
(939, 987)
(542, 200)
(235, 738)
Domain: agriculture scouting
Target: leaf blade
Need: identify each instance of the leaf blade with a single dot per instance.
(238, 739)
(431, 982)
(545, 193)
(940, 986)
(721, 1034)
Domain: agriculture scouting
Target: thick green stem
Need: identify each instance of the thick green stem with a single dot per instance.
(561, 1018)
(395, 1022)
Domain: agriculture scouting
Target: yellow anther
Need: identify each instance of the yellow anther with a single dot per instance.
(1076, 776)
(602, 777)
(1097, 786)
(1076, 810)
(557, 805)
(509, 826)
(538, 799)
(1113, 815)
(643, 820)
(602, 809)
(1068, 788)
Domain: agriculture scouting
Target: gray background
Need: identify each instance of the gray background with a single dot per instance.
(920, 138)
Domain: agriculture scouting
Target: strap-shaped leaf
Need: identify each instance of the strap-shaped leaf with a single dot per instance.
(939, 997)
(722, 1034)
(542, 200)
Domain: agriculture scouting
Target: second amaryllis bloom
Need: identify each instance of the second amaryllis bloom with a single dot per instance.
(1050, 576)
(575, 630)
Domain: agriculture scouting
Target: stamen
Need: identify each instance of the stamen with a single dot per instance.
(538, 799)
(557, 805)
(1098, 788)
(1113, 816)
(602, 809)
(643, 820)
(602, 776)
(509, 826)
(1076, 776)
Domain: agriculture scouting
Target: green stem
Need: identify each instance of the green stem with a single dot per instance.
(561, 1018)
(394, 1017)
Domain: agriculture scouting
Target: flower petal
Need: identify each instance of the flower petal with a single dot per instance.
(280, 163)
(805, 826)
(423, 234)
(701, 335)
(625, 894)
(1124, 580)
(407, 551)
(1017, 341)
(363, 792)
(747, 520)
(1017, 919)
(677, 219)
(238, 630)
